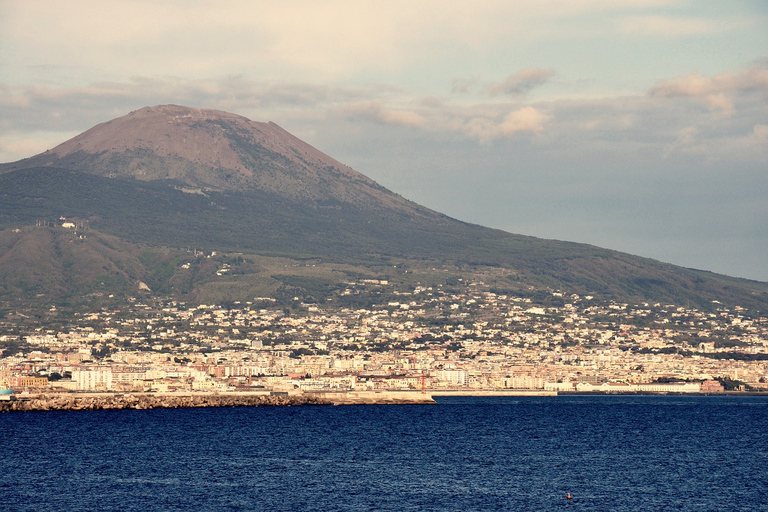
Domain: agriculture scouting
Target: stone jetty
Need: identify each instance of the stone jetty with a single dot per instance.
(107, 401)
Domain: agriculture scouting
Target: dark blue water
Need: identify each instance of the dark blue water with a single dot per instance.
(611, 453)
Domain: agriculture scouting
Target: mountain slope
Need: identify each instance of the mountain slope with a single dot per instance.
(54, 263)
(210, 150)
(177, 177)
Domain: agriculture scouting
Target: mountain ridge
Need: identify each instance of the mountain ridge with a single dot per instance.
(257, 189)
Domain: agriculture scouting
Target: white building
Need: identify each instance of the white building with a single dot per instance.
(456, 377)
(93, 379)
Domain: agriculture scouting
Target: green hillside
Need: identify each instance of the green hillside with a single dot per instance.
(156, 217)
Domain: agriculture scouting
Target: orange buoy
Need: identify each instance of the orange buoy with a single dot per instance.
(568, 497)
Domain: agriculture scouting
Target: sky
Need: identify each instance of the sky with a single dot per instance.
(634, 125)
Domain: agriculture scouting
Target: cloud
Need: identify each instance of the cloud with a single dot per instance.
(521, 82)
(464, 85)
(485, 130)
(38, 107)
(481, 123)
(71, 110)
(651, 120)
(685, 142)
(716, 92)
(50, 115)
(375, 111)
(713, 92)
(526, 119)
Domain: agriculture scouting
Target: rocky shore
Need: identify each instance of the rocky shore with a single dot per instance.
(106, 401)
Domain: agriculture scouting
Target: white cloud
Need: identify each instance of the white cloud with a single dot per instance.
(485, 129)
(480, 123)
(648, 119)
(672, 128)
(526, 119)
(716, 92)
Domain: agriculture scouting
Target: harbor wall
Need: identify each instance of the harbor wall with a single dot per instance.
(108, 401)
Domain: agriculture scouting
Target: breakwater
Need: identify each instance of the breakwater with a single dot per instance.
(107, 401)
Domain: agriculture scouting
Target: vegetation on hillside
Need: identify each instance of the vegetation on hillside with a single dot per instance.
(152, 225)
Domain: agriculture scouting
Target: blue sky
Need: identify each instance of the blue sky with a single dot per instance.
(636, 125)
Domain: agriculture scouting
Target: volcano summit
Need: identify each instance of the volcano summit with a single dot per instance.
(211, 150)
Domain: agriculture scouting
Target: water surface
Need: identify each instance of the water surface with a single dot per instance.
(497, 453)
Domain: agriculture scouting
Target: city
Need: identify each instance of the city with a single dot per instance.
(370, 335)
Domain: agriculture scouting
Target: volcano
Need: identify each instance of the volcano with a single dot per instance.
(211, 150)
(171, 178)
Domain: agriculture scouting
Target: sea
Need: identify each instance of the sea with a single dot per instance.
(608, 453)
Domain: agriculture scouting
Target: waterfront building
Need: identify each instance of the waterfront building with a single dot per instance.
(93, 379)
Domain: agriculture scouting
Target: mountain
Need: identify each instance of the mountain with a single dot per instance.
(163, 180)
(209, 150)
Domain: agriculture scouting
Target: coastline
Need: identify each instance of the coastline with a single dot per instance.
(175, 400)
(120, 401)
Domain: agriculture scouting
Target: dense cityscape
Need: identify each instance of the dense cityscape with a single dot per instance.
(372, 336)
